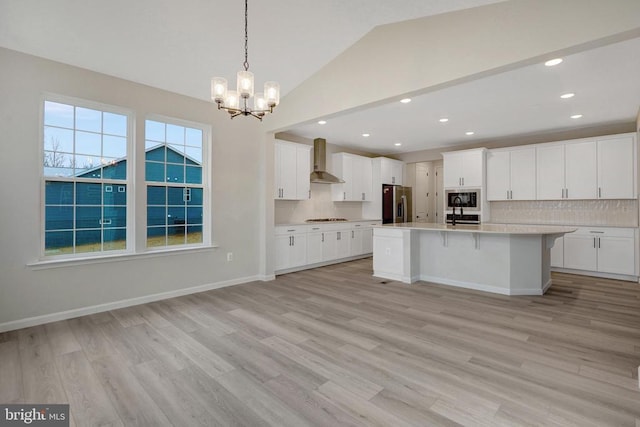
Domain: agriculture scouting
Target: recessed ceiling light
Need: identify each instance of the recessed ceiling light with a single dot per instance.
(576, 116)
(398, 144)
(322, 122)
(552, 62)
(444, 120)
(365, 135)
(469, 133)
(567, 95)
(405, 100)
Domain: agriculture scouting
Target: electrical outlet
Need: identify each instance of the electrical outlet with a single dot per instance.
(229, 256)
(387, 251)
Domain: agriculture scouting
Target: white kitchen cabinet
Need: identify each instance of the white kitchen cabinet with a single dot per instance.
(292, 170)
(603, 250)
(581, 170)
(356, 235)
(314, 245)
(511, 174)
(367, 240)
(291, 247)
(343, 247)
(550, 172)
(391, 171)
(616, 167)
(329, 245)
(602, 168)
(464, 168)
(356, 173)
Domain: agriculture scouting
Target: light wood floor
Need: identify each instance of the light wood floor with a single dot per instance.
(336, 347)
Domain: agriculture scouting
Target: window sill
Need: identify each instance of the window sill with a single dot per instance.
(71, 262)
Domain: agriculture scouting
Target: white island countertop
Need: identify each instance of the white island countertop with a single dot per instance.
(483, 228)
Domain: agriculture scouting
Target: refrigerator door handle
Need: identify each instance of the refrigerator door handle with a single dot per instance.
(403, 199)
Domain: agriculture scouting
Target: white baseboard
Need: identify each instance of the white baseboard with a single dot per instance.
(83, 311)
(466, 285)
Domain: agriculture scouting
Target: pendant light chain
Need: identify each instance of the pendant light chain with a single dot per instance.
(246, 35)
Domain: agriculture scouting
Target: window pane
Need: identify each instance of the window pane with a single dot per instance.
(156, 195)
(156, 153)
(196, 196)
(176, 216)
(58, 218)
(156, 236)
(114, 239)
(194, 155)
(88, 143)
(114, 217)
(58, 242)
(176, 195)
(88, 194)
(154, 171)
(115, 124)
(175, 173)
(88, 217)
(194, 137)
(175, 154)
(57, 164)
(58, 193)
(115, 171)
(194, 234)
(87, 119)
(176, 235)
(194, 215)
(58, 140)
(114, 146)
(175, 134)
(154, 131)
(194, 175)
(88, 241)
(115, 194)
(56, 114)
(156, 215)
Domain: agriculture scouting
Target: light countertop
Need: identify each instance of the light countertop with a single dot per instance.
(326, 222)
(483, 228)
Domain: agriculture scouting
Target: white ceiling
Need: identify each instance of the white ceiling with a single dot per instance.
(606, 83)
(179, 46)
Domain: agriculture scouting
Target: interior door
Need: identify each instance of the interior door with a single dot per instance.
(439, 216)
(421, 198)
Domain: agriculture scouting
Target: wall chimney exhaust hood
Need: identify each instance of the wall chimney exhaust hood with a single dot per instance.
(319, 174)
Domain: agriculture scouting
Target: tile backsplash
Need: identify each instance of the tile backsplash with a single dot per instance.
(614, 213)
(319, 206)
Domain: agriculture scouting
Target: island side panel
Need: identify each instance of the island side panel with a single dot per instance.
(467, 260)
(396, 254)
(530, 265)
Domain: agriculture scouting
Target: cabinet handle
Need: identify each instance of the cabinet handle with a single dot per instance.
(344, 195)
(594, 242)
(507, 194)
(598, 243)
(567, 192)
(599, 192)
(323, 237)
(463, 181)
(293, 240)
(290, 242)
(309, 193)
(362, 196)
(352, 236)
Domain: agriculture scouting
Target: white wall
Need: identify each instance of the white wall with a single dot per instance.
(239, 204)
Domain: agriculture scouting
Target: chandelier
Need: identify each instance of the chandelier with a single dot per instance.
(236, 102)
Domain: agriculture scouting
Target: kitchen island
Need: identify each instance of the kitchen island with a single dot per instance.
(500, 258)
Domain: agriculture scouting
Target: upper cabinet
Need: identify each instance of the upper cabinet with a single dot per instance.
(356, 173)
(511, 174)
(595, 168)
(391, 171)
(292, 170)
(464, 168)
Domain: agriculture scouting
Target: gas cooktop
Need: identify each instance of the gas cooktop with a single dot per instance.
(327, 219)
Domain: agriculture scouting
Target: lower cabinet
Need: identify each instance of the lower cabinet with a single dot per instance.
(298, 246)
(602, 250)
(291, 247)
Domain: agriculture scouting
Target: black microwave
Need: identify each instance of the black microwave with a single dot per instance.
(465, 199)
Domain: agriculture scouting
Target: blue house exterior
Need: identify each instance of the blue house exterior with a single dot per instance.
(90, 213)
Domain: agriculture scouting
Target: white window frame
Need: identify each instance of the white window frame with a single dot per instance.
(129, 182)
(206, 183)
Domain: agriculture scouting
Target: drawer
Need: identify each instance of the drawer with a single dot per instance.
(290, 229)
(605, 232)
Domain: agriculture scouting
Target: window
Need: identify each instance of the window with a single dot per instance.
(85, 178)
(175, 190)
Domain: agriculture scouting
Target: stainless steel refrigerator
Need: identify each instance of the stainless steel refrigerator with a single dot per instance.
(397, 204)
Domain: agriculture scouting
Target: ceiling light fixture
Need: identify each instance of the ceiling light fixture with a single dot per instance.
(365, 135)
(576, 116)
(567, 95)
(405, 100)
(322, 122)
(469, 133)
(235, 102)
(398, 144)
(552, 62)
(444, 120)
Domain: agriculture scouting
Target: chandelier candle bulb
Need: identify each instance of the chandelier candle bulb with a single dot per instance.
(259, 102)
(245, 84)
(218, 89)
(272, 93)
(232, 100)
